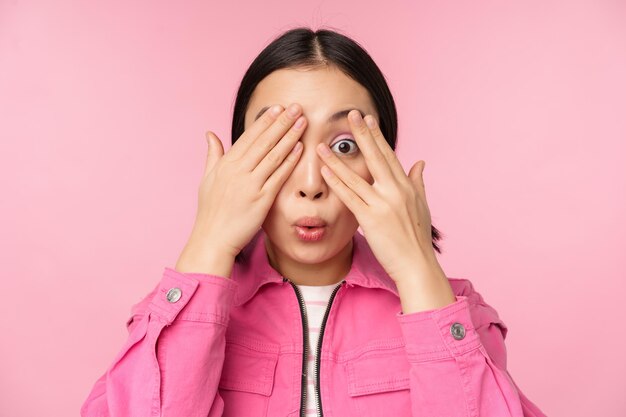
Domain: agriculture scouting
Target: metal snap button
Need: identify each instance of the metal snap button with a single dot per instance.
(458, 331)
(174, 295)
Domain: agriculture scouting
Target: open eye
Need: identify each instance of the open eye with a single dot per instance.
(344, 146)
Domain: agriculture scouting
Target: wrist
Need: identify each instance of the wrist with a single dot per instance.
(425, 290)
(206, 259)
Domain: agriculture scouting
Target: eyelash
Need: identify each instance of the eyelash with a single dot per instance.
(346, 140)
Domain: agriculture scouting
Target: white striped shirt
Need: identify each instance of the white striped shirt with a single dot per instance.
(316, 300)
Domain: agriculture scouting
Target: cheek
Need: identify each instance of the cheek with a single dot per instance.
(271, 216)
(346, 221)
(278, 213)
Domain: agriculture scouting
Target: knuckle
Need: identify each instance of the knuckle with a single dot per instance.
(293, 157)
(260, 125)
(273, 157)
(267, 120)
(353, 180)
(285, 121)
(378, 134)
(266, 146)
(379, 157)
(362, 129)
(290, 134)
(294, 133)
(354, 199)
(389, 154)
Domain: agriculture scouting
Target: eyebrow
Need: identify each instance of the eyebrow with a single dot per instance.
(342, 114)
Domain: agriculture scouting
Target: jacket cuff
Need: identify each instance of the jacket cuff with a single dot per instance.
(194, 297)
(441, 333)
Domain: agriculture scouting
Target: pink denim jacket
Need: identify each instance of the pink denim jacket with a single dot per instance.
(206, 345)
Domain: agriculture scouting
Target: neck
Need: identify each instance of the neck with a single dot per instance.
(328, 272)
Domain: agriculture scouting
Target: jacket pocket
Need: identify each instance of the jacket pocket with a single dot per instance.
(379, 382)
(247, 379)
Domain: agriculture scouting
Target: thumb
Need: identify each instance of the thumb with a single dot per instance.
(415, 174)
(214, 152)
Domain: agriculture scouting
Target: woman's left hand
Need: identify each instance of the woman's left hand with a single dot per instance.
(392, 212)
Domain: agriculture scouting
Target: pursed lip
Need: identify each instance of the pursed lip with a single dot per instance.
(310, 221)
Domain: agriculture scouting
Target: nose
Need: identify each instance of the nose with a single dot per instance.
(306, 177)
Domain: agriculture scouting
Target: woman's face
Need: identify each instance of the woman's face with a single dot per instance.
(321, 93)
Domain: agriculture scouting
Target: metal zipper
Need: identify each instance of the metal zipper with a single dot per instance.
(319, 350)
(305, 356)
(305, 332)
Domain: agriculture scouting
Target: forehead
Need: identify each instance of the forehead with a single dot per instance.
(319, 91)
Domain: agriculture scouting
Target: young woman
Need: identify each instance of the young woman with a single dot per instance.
(278, 306)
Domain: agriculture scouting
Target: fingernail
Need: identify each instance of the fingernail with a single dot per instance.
(356, 118)
(293, 110)
(275, 111)
(323, 149)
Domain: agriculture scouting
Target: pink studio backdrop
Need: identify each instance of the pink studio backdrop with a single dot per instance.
(517, 109)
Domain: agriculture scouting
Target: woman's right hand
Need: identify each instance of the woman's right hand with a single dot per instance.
(238, 188)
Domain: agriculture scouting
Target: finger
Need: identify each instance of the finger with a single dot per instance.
(276, 156)
(214, 152)
(354, 203)
(385, 149)
(280, 174)
(374, 158)
(416, 174)
(346, 175)
(248, 137)
(270, 137)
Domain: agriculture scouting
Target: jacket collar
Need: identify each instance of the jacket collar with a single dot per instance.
(254, 269)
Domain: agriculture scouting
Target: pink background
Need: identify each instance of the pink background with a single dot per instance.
(517, 109)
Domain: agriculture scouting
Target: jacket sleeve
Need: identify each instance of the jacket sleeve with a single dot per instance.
(172, 361)
(458, 362)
